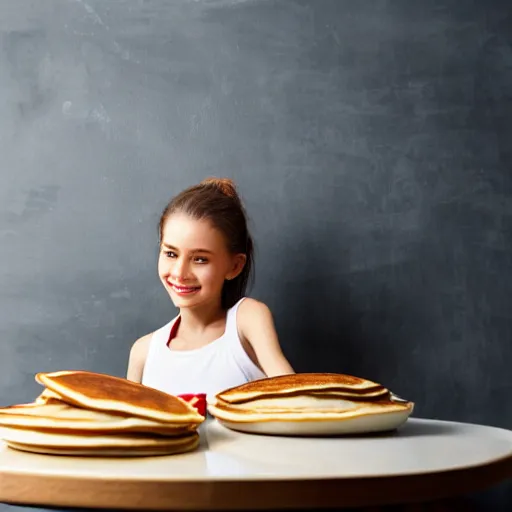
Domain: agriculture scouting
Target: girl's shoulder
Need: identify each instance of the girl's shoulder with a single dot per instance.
(251, 313)
(140, 350)
(137, 358)
(248, 306)
(141, 346)
(256, 328)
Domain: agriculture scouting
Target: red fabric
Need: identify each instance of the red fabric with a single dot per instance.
(196, 400)
(174, 330)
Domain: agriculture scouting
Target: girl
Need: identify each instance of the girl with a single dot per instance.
(219, 339)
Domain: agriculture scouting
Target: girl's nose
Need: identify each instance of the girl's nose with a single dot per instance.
(180, 270)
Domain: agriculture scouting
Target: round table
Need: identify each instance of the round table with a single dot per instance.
(423, 460)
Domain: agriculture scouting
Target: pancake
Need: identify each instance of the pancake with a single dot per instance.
(91, 414)
(151, 451)
(55, 409)
(102, 392)
(300, 383)
(302, 404)
(47, 396)
(66, 418)
(305, 410)
(119, 445)
(52, 439)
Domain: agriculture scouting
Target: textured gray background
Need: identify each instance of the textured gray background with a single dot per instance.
(371, 142)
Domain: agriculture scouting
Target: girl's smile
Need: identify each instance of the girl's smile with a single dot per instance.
(183, 290)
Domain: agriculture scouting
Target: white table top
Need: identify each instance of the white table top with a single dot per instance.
(419, 449)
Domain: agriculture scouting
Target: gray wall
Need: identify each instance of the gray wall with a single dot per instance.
(371, 144)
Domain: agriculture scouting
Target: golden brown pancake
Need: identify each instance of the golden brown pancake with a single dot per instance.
(90, 414)
(304, 410)
(111, 445)
(151, 451)
(56, 409)
(66, 418)
(304, 383)
(102, 392)
(47, 396)
(323, 403)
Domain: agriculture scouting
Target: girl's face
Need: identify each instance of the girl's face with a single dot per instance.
(194, 261)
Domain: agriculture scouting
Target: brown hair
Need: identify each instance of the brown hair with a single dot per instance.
(217, 200)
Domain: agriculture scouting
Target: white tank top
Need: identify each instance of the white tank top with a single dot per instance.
(221, 364)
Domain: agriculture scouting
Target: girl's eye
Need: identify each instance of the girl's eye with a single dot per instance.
(170, 254)
(201, 260)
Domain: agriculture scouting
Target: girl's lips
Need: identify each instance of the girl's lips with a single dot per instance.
(183, 290)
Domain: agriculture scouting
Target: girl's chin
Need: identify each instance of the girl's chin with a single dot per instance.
(185, 301)
(191, 303)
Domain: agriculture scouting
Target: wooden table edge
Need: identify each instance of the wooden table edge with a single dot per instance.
(23, 489)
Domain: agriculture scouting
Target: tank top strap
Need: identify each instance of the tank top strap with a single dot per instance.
(231, 323)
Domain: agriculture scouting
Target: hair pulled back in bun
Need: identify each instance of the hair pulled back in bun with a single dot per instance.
(225, 185)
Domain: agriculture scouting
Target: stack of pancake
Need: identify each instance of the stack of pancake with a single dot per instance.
(85, 413)
(310, 403)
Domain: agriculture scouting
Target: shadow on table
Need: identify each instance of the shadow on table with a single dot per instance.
(407, 430)
(424, 429)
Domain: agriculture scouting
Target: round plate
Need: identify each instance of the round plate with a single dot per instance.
(374, 423)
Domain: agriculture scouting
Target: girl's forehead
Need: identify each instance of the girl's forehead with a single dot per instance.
(183, 231)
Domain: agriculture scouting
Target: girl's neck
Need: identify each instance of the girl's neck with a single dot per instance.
(198, 319)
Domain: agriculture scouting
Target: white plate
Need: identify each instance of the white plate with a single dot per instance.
(359, 425)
